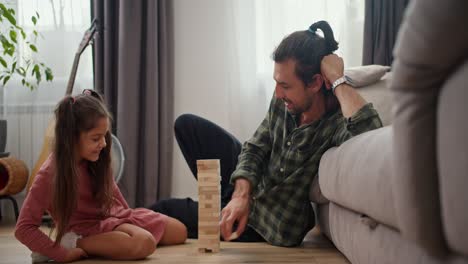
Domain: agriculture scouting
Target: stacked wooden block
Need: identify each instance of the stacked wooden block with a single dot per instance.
(209, 205)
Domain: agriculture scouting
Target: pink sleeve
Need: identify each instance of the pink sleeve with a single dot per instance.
(36, 203)
(119, 197)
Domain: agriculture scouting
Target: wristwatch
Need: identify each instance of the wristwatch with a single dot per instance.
(341, 80)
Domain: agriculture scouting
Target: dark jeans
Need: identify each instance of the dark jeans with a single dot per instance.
(199, 138)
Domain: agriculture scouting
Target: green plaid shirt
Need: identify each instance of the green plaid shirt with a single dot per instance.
(280, 161)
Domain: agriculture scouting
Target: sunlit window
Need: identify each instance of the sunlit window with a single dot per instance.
(61, 26)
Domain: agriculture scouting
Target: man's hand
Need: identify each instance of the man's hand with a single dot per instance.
(237, 210)
(332, 68)
(75, 254)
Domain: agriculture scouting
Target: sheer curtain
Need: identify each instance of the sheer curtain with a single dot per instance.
(61, 26)
(276, 19)
(223, 66)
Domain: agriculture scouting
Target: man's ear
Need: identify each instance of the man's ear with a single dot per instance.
(316, 83)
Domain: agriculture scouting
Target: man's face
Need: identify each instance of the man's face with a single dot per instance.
(296, 96)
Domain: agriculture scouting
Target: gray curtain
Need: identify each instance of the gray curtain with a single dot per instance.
(133, 67)
(381, 23)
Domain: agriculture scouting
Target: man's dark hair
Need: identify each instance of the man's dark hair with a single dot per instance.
(307, 48)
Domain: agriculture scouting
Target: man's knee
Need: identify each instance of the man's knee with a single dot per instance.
(183, 121)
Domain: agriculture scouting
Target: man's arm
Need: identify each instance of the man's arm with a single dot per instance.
(254, 155)
(237, 210)
(360, 116)
(332, 68)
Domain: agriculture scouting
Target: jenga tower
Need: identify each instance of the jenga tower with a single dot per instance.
(209, 205)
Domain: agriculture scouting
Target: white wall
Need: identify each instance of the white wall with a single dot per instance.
(199, 69)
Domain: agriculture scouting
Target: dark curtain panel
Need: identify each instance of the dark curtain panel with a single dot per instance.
(133, 67)
(381, 23)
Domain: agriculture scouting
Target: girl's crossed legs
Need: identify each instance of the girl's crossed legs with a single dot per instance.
(130, 242)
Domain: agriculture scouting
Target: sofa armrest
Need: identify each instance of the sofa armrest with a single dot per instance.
(432, 41)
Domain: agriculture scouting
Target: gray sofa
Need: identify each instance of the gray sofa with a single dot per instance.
(399, 194)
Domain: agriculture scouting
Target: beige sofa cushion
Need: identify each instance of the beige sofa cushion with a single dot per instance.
(361, 76)
(357, 175)
(432, 42)
(381, 98)
(452, 157)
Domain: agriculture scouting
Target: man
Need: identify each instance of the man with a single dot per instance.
(313, 109)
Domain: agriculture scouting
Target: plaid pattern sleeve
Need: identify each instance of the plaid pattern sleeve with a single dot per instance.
(255, 153)
(280, 161)
(365, 119)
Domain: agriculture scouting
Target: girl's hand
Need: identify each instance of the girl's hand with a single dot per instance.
(75, 254)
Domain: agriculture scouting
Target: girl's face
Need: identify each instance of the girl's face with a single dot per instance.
(93, 141)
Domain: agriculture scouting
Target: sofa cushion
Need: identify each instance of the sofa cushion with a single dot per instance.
(452, 157)
(423, 62)
(357, 175)
(382, 245)
(381, 98)
(365, 75)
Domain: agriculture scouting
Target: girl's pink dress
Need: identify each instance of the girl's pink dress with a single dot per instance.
(85, 220)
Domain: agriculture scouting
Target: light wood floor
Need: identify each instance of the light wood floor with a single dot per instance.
(315, 250)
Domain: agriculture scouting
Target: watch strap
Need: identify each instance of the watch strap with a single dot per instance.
(337, 82)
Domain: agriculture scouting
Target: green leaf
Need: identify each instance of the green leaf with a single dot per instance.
(37, 14)
(3, 62)
(23, 81)
(49, 74)
(21, 71)
(33, 47)
(10, 51)
(34, 20)
(37, 72)
(13, 67)
(34, 69)
(23, 34)
(8, 14)
(5, 80)
(5, 42)
(13, 36)
(35, 33)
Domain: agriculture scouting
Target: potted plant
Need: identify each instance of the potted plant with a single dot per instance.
(16, 64)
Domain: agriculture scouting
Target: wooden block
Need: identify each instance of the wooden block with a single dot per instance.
(208, 164)
(208, 211)
(203, 178)
(209, 231)
(209, 237)
(209, 250)
(210, 188)
(202, 224)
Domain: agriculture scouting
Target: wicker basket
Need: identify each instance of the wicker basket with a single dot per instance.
(13, 176)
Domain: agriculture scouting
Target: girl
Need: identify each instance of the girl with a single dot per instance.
(75, 185)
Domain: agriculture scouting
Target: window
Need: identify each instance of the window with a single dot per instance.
(61, 26)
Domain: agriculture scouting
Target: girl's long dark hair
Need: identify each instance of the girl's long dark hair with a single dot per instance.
(308, 48)
(75, 115)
